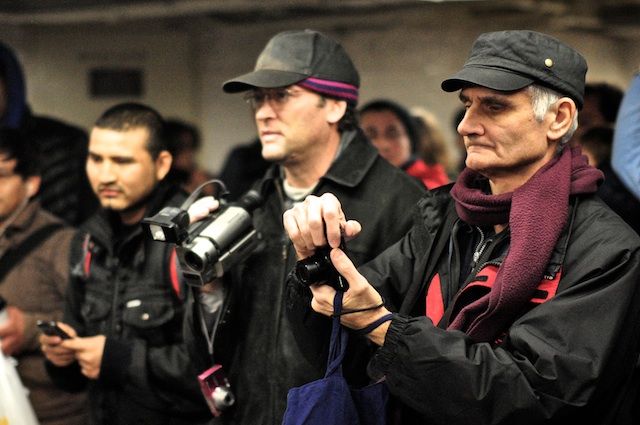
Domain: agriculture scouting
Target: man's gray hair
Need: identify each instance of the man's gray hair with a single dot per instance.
(541, 100)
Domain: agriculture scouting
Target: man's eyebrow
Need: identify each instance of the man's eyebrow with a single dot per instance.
(492, 98)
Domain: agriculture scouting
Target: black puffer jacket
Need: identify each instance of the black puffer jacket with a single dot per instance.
(122, 287)
(569, 358)
(65, 189)
(264, 351)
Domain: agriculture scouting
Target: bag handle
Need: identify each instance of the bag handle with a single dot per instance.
(339, 339)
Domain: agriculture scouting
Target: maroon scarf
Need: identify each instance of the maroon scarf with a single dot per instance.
(536, 213)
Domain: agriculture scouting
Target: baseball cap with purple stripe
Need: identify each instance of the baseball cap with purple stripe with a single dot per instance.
(307, 58)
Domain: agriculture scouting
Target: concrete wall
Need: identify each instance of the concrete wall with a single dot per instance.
(402, 55)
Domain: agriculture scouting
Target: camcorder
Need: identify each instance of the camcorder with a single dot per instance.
(318, 269)
(208, 248)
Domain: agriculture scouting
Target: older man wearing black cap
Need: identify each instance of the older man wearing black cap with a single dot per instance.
(517, 290)
(303, 93)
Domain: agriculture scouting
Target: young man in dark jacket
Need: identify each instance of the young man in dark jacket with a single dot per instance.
(125, 304)
(516, 291)
(303, 92)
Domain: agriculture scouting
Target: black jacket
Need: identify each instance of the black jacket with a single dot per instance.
(121, 286)
(264, 352)
(62, 149)
(569, 358)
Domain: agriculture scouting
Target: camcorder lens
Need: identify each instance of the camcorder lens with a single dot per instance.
(194, 261)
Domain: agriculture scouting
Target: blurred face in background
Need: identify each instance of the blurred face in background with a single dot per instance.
(388, 135)
(15, 190)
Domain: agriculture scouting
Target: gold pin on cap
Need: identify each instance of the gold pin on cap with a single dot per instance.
(548, 62)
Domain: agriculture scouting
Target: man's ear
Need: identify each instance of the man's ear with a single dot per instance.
(163, 164)
(564, 112)
(33, 185)
(335, 110)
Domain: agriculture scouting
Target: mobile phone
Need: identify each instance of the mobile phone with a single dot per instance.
(51, 328)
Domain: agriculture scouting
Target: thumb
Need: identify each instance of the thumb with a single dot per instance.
(345, 266)
(68, 329)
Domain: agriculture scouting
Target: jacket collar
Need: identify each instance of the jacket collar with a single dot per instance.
(435, 203)
(357, 150)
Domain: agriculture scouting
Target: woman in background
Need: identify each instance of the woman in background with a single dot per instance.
(392, 130)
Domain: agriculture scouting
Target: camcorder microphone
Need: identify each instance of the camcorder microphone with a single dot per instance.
(208, 248)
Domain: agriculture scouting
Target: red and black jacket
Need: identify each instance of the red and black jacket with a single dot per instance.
(570, 356)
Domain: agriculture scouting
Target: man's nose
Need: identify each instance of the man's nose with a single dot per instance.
(106, 172)
(265, 110)
(470, 124)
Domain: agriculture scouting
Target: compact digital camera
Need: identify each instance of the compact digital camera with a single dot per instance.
(318, 269)
(216, 390)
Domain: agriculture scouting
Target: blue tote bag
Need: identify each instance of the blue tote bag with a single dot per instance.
(330, 400)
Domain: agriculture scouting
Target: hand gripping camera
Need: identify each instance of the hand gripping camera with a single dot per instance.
(318, 269)
(208, 248)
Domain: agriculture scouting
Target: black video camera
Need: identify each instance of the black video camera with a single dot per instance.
(209, 247)
(318, 269)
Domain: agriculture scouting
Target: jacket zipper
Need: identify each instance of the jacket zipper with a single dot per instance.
(482, 245)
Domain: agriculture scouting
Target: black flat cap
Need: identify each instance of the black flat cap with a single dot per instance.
(511, 60)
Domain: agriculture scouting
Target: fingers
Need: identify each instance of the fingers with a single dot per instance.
(333, 217)
(90, 372)
(89, 364)
(68, 329)
(323, 295)
(75, 344)
(295, 224)
(317, 221)
(202, 207)
(351, 229)
(90, 356)
(55, 352)
(316, 209)
(322, 301)
(360, 296)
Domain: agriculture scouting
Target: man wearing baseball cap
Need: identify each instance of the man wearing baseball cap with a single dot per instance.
(518, 288)
(303, 93)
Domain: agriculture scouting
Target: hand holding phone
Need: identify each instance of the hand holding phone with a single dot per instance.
(51, 328)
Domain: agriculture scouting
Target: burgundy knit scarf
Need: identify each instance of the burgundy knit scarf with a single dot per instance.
(536, 213)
